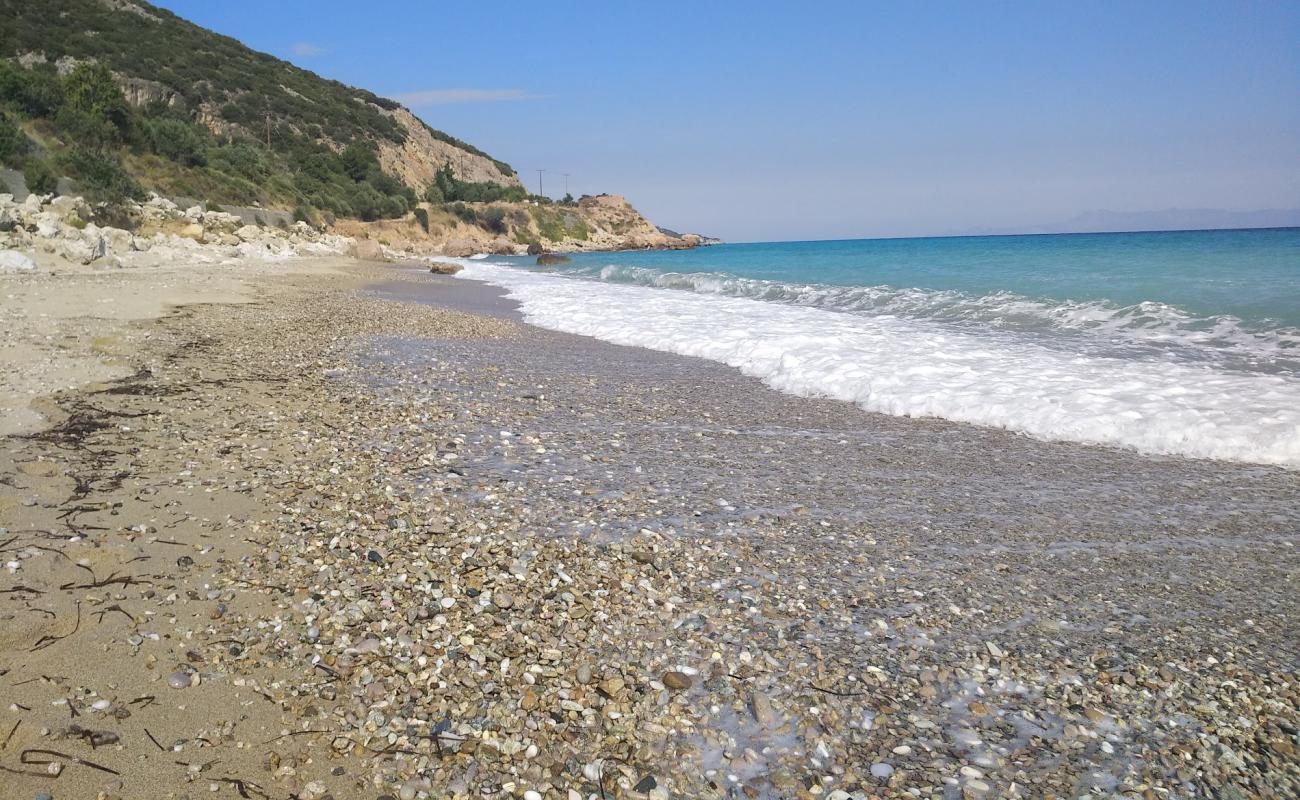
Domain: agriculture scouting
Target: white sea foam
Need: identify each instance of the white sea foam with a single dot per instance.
(917, 367)
(1096, 326)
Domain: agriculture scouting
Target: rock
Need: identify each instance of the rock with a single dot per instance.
(69, 209)
(367, 645)
(761, 707)
(178, 680)
(117, 240)
(192, 231)
(547, 259)
(13, 261)
(583, 674)
(645, 784)
(881, 770)
(676, 680)
(367, 250)
(460, 248)
(502, 600)
(535, 248)
(444, 268)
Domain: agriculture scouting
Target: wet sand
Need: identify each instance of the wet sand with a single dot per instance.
(434, 552)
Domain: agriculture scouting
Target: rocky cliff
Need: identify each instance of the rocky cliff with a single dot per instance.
(421, 154)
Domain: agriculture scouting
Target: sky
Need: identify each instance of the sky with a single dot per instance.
(759, 121)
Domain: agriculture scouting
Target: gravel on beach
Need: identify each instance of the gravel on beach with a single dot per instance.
(348, 544)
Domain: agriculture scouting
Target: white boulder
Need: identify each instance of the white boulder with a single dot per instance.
(14, 261)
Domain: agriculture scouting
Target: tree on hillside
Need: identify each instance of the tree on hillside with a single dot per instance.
(93, 109)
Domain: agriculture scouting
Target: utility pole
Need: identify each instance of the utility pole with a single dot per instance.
(566, 183)
(540, 193)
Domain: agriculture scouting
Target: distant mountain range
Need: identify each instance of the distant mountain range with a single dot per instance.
(1170, 219)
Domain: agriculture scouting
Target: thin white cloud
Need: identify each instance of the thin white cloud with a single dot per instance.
(306, 49)
(442, 97)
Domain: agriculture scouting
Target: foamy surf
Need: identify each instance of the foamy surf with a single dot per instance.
(920, 368)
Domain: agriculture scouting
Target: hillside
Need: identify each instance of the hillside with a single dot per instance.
(113, 99)
(202, 115)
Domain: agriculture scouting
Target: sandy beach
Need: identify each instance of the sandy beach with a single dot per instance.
(328, 528)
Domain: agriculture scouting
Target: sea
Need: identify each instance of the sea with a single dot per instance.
(1179, 343)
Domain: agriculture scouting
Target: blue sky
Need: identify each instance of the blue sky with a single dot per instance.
(768, 121)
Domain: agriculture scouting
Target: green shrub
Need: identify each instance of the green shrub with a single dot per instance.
(101, 177)
(464, 213)
(13, 142)
(550, 225)
(447, 188)
(422, 217)
(93, 108)
(493, 219)
(358, 160)
(176, 140)
(33, 92)
(39, 177)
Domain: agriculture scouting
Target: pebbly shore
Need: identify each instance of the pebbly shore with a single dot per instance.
(366, 535)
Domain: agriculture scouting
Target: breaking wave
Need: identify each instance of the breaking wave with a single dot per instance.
(1148, 377)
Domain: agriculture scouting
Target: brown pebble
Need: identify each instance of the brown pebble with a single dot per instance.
(676, 680)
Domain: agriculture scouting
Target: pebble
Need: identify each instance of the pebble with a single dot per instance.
(761, 707)
(179, 680)
(881, 770)
(676, 680)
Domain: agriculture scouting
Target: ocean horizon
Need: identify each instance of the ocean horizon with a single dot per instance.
(1168, 342)
(1005, 235)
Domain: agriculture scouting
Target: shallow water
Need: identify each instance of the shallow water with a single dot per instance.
(1179, 343)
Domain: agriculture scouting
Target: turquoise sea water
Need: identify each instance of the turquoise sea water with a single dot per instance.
(1234, 292)
(1171, 342)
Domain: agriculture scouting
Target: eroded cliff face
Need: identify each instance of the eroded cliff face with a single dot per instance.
(416, 160)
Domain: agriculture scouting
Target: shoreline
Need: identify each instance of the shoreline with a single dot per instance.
(442, 552)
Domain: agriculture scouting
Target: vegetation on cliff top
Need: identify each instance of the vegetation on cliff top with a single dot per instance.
(288, 137)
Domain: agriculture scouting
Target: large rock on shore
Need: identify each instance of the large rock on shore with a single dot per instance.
(367, 250)
(461, 248)
(13, 261)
